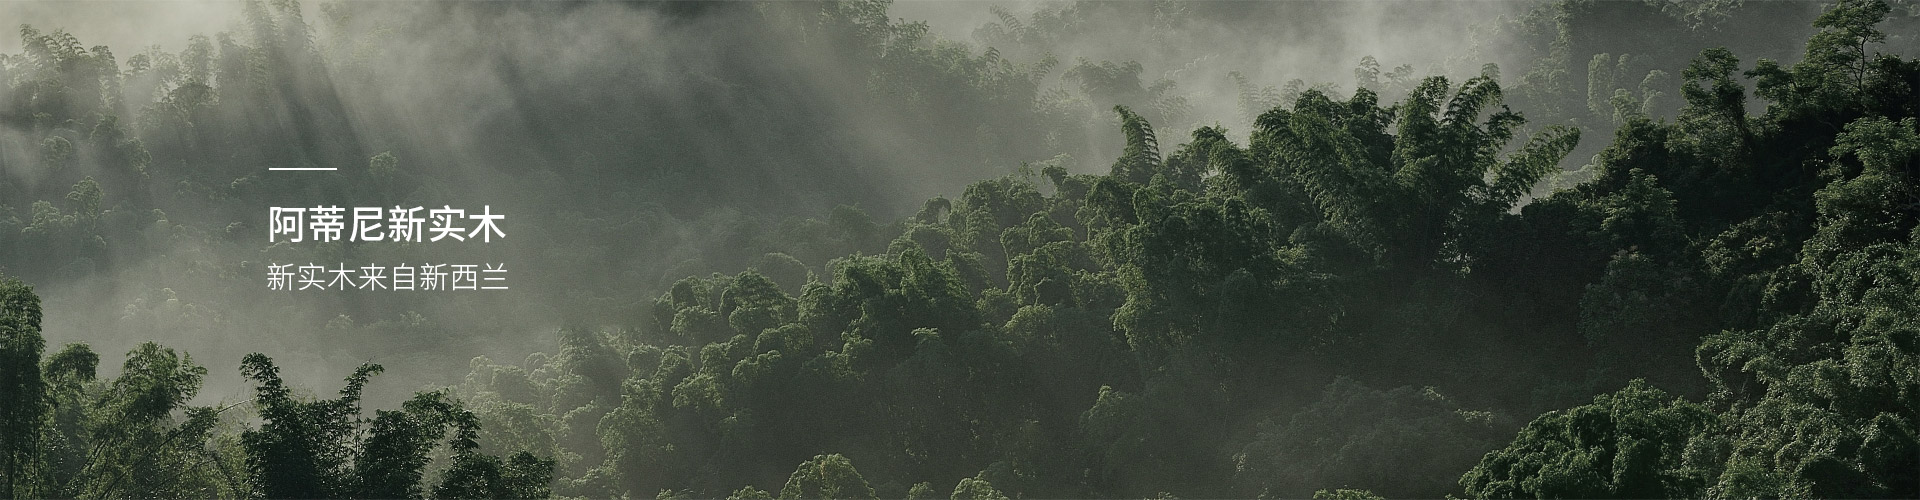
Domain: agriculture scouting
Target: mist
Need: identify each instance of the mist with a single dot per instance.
(845, 164)
(704, 116)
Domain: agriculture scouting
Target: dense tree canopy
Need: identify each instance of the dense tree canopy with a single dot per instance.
(1394, 291)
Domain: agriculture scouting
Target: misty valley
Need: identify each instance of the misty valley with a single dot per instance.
(1328, 249)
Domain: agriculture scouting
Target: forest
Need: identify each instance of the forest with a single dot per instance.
(1101, 250)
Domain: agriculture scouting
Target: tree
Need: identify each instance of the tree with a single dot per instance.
(25, 391)
(1628, 444)
(301, 448)
(86, 203)
(326, 446)
(826, 476)
(976, 488)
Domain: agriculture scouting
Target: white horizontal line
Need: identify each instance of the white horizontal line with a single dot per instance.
(309, 168)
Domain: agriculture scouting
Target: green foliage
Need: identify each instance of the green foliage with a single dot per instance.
(1346, 494)
(20, 415)
(1810, 396)
(976, 488)
(136, 436)
(1838, 72)
(302, 448)
(750, 493)
(1406, 198)
(133, 435)
(826, 476)
(1204, 318)
(1629, 444)
(325, 446)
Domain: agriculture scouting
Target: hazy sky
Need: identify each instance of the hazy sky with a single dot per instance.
(124, 25)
